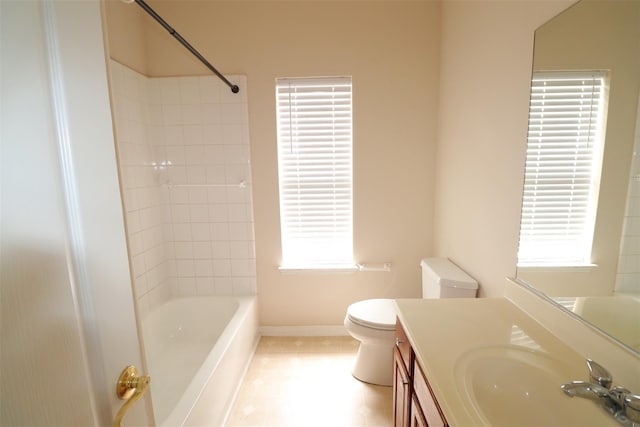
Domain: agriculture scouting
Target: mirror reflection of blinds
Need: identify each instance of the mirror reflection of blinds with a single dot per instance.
(315, 171)
(562, 168)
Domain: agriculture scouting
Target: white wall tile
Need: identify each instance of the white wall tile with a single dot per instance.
(195, 155)
(184, 250)
(220, 231)
(232, 134)
(222, 268)
(205, 286)
(133, 222)
(180, 131)
(187, 286)
(212, 133)
(177, 174)
(232, 114)
(240, 195)
(172, 114)
(240, 250)
(221, 249)
(196, 174)
(197, 195)
(176, 154)
(238, 212)
(218, 213)
(239, 231)
(215, 175)
(169, 90)
(193, 134)
(173, 135)
(191, 114)
(200, 232)
(179, 195)
(202, 250)
(628, 277)
(236, 173)
(212, 114)
(209, 90)
(189, 91)
(203, 268)
(140, 285)
(242, 268)
(159, 294)
(180, 213)
(244, 286)
(224, 286)
(217, 195)
(185, 268)
(199, 213)
(182, 232)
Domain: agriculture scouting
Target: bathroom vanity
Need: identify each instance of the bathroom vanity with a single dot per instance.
(471, 362)
(414, 403)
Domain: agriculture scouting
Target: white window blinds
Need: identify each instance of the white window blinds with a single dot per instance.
(564, 147)
(315, 171)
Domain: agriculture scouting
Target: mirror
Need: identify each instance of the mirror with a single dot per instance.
(602, 35)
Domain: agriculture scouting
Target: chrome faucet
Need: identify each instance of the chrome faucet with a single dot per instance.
(618, 401)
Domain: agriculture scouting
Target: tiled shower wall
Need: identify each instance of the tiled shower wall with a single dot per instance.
(628, 277)
(183, 148)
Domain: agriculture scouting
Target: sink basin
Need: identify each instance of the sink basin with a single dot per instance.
(511, 385)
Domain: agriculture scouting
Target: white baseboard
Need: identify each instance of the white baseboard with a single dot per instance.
(303, 331)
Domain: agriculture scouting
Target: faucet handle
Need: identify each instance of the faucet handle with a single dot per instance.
(619, 393)
(632, 407)
(599, 374)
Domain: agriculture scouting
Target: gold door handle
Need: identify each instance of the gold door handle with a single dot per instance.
(130, 387)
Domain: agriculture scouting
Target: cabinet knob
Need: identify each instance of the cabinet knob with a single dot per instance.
(399, 341)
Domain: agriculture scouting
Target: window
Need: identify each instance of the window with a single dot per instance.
(315, 172)
(564, 158)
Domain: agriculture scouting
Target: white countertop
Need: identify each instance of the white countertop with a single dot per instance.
(443, 331)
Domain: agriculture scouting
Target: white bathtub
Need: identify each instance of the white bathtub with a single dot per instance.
(197, 350)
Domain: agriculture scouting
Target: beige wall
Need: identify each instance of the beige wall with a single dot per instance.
(391, 49)
(568, 44)
(125, 34)
(484, 96)
(462, 67)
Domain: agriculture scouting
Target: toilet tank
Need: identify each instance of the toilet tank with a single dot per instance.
(441, 278)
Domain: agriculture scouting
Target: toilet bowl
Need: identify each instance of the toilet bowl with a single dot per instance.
(373, 321)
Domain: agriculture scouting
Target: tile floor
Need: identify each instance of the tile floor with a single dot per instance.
(307, 381)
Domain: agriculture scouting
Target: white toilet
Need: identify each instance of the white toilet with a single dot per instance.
(373, 321)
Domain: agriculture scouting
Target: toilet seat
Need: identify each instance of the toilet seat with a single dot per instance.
(377, 314)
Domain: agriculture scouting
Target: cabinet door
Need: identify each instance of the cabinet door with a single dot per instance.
(425, 399)
(417, 417)
(401, 392)
(403, 345)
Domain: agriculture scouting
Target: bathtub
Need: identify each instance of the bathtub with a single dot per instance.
(197, 350)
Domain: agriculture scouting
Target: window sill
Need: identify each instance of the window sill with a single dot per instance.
(323, 269)
(568, 268)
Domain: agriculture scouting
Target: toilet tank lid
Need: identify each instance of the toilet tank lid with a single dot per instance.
(446, 273)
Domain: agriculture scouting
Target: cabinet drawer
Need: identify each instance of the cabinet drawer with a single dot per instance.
(403, 346)
(432, 412)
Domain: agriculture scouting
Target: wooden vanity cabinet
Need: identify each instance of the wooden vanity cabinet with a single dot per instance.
(414, 404)
(401, 391)
(403, 362)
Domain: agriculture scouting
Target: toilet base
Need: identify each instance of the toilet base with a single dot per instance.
(374, 364)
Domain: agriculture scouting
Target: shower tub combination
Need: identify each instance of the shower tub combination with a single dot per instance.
(197, 350)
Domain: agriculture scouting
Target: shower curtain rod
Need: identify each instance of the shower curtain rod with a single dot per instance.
(174, 33)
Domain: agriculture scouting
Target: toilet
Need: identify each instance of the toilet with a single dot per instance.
(373, 321)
